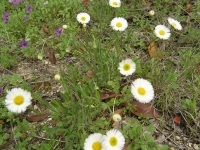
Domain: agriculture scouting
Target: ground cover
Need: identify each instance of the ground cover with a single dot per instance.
(90, 67)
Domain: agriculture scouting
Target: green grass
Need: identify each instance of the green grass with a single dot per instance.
(97, 48)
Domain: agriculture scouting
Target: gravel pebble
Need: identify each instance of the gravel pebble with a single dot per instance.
(160, 138)
(196, 146)
(177, 137)
(189, 144)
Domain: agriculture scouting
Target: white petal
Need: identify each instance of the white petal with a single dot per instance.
(9, 101)
(149, 95)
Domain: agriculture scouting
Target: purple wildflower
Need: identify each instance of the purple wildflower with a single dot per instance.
(6, 15)
(16, 2)
(129, 55)
(28, 9)
(26, 17)
(5, 20)
(58, 32)
(24, 44)
(1, 90)
(68, 59)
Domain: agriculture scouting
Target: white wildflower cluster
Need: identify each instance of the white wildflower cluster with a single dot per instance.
(113, 140)
(141, 89)
(163, 32)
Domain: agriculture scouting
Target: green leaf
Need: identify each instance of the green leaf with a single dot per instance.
(150, 128)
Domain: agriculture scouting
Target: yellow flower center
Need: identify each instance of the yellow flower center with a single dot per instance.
(83, 18)
(113, 141)
(126, 67)
(162, 32)
(114, 3)
(18, 100)
(119, 24)
(174, 24)
(96, 146)
(141, 91)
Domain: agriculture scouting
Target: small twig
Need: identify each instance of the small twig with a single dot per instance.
(188, 123)
(57, 144)
(186, 12)
(164, 134)
(192, 118)
(49, 139)
(168, 137)
(13, 134)
(114, 106)
(41, 81)
(3, 68)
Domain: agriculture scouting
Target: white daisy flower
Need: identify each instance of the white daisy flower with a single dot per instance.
(94, 142)
(174, 23)
(142, 90)
(162, 32)
(116, 117)
(115, 3)
(119, 24)
(17, 100)
(114, 140)
(127, 67)
(83, 18)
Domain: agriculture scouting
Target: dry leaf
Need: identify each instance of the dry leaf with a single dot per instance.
(2, 122)
(90, 74)
(45, 29)
(54, 47)
(61, 133)
(52, 57)
(188, 6)
(143, 109)
(54, 122)
(146, 30)
(153, 51)
(125, 147)
(184, 23)
(82, 49)
(40, 84)
(85, 2)
(163, 3)
(35, 118)
(107, 95)
(128, 1)
(198, 71)
(119, 111)
(177, 120)
(144, 3)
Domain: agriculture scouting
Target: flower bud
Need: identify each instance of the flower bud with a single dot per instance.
(84, 25)
(64, 26)
(57, 77)
(116, 117)
(151, 12)
(40, 56)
